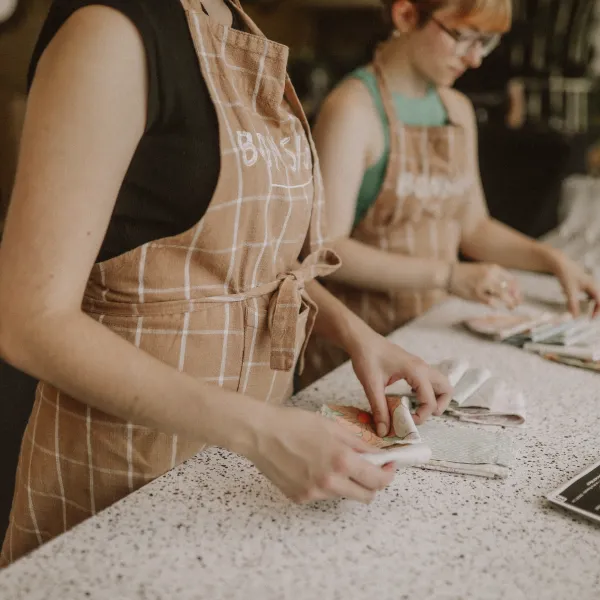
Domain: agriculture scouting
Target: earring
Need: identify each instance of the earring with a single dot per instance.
(396, 33)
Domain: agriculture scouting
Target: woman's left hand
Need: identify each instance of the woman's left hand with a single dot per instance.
(574, 280)
(378, 363)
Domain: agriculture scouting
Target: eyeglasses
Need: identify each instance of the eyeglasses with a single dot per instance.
(465, 41)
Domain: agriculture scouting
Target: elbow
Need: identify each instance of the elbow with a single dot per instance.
(12, 339)
(19, 330)
(339, 242)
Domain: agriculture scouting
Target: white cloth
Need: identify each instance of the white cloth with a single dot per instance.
(468, 384)
(495, 402)
(481, 398)
(466, 450)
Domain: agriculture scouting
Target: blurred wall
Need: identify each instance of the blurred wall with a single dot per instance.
(16, 44)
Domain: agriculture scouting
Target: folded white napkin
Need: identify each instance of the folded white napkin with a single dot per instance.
(481, 398)
(478, 396)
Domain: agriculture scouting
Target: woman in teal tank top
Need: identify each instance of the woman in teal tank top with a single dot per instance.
(432, 43)
(428, 111)
(398, 153)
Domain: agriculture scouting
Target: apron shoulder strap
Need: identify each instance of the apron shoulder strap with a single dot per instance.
(388, 104)
(457, 106)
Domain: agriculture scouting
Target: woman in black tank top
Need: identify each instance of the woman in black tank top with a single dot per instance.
(98, 181)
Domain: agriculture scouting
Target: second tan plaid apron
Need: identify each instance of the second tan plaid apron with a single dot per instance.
(224, 301)
(428, 182)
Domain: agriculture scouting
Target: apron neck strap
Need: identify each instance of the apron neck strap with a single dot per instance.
(455, 114)
(388, 102)
(395, 127)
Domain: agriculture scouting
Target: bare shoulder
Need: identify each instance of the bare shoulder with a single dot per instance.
(459, 106)
(351, 100)
(95, 33)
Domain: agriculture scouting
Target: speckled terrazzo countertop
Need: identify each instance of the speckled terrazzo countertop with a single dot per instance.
(214, 528)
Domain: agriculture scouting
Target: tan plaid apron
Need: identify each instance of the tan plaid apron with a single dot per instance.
(428, 182)
(224, 301)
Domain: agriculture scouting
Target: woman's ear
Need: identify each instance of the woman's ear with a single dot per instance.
(405, 16)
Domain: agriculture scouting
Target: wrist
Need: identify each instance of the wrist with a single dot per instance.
(354, 333)
(444, 275)
(236, 423)
(449, 274)
(547, 257)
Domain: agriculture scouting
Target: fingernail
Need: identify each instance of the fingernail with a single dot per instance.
(381, 430)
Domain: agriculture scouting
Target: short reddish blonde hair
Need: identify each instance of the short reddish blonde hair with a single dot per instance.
(487, 15)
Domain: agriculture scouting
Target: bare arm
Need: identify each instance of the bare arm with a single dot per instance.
(489, 241)
(348, 136)
(85, 117)
(483, 238)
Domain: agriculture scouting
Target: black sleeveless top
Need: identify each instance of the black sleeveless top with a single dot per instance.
(173, 173)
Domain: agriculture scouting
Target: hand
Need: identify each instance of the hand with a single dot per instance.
(486, 283)
(311, 458)
(574, 280)
(378, 363)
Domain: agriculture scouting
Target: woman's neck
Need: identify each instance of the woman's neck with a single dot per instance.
(401, 75)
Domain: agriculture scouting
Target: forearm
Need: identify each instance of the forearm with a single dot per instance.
(370, 268)
(89, 362)
(335, 321)
(493, 242)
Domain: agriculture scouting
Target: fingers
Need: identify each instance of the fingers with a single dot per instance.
(498, 286)
(375, 392)
(571, 290)
(442, 390)
(350, 476)
(339, 486)
(515, 291)
(419, 381)
(368, 476)
(593, 291)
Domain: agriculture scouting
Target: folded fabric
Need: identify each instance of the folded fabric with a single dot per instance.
(590, 365)
(403, 429)
(468, 384)
(480, 398)
(495, 402)
(466, 450)
(455, 448)
(500, 326)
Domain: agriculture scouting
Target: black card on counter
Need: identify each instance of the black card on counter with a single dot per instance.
(581, 494)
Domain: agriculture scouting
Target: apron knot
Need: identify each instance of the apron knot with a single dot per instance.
(286, 304)
(284, 309)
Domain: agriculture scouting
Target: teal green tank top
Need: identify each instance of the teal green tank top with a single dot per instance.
(428, 111)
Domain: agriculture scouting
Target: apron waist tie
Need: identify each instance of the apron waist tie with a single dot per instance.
(286, 304)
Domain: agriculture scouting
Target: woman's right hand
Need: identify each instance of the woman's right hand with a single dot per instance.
(486, 283)
(309, 457)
